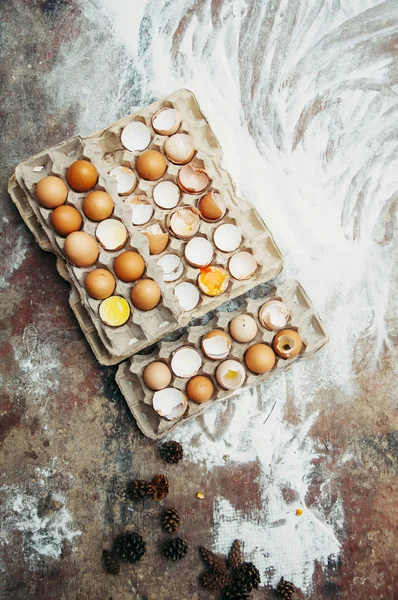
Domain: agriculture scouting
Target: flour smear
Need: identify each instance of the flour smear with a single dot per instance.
(301, 101)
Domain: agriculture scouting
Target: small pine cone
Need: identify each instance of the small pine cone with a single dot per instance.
(286, 589)
(248, 577)
(212, 560)
(111, 562)
(175, 549)
(214, 580)
(234, 593)
(160, 485)
(172, 452)
(139, 489)
(235, 555)
(171, 520)
(129, 547)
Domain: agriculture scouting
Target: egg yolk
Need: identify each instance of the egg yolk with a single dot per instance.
(231, 374)
(114, 311)
(213, 280)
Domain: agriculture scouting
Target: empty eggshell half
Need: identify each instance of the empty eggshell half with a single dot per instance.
(227, 237)
(212, 207)
(157, 238)
(172, 267)
(199, 252)
(180, 148)
(111, 234)
(142, 209)
(191, 180)
(170, 403)
(213, 280)
(230, 374)
(216, 344)
(126, 180)
(166, 194)
(187, 294)
(186, 362)
(242, 265)
(184, 222)
(274, 315)
(136, 136)
(166, 121)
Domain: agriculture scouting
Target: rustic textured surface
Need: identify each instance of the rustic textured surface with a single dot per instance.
(68, 442)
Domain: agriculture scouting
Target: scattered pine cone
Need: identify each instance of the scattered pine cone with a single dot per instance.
(234, 593)
(214, 580)
(175, 549)
(139, 489)
(172, 452)
(111, 562)
(248, 577)
(160, 485)
(171, 520)
(235, 555)
(129, 547)
(286, 589)
(212, 560)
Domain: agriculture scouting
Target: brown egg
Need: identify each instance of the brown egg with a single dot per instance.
(65, 219)
(82, 176)
(151, 165)
(129, 266)
(157, 238)
(243, 328)
(157, 376)
(81, 249)
(145, 294)
(51, 191)
(259, 358)
(287, 343)
(200, 389)
(212, 207)
(98, 205)
(100, 284)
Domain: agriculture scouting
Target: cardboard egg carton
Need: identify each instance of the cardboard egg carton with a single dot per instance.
(104, 149)
(304, 319)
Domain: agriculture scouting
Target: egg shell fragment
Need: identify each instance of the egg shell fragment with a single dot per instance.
(227, 237)
(166, 194)
(141, 209)
(125, 178)
(274, 315)
(186, 362)
(170, 403)
(157, 238)
(287, 343)
(213, 280)
(166, 121)
(216, 344)
(230, 374)
(187, 294)
(184, 222)
(172, 267)
(191, 180)
(199, 252)
(136, 136)
(242, 265)
(212, 207)
(180, 148)
(111, 234)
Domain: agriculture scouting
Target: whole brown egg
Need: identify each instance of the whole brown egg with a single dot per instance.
(151, 165)
(98, 205)
(82, 176)
(259, 358)
(65, 219)
(51, 191)
(129, 266)
(145, 294)
(81, 249)
(100, 283)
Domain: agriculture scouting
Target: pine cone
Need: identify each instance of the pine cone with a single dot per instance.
(138, 489)
(172, 452)
(248, 577)
(234, 593)
(235, 555)
(111, 562)
(160, 485)
(175, 549)
(286, 589)
(214, 580)
(212, 560)
(171, 520)
(129, 547)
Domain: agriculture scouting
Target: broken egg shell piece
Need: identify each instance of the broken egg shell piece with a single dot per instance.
(213, 281)
(172, 267)
(184, 222)
(193, 181)
(142, 209)
(274, 315)
(187, 294)
(227, 237)
(111, 234)
(166, 121)
(180, 148)
(242, 265)
(170, 403)
(287, 343)
(136, 136)
(216, 344)
(126, 180)
(157, 238)
(212, 207)
(199, 252)
(186, 362)
(166, 194)
(230, 374)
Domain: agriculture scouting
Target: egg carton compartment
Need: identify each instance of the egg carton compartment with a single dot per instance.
(303, 318)
(105, 150)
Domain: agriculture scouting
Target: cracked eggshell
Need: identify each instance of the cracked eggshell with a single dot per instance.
(187, 294)
(287, 343)
(199, 252)
(166, 194)
(227, 237)
(170, 403)
(242, 265)
(216, 344)
(136, 136)
(111, 234)
(231, 374)
(141, 209)
(274, 315)
(172, 267)
(180, 148)
(213, 281)
(166, 121)
(192, 181)
(184, 222)
(212, 207)
(126, 180)
(186, 362)
(157, 238)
